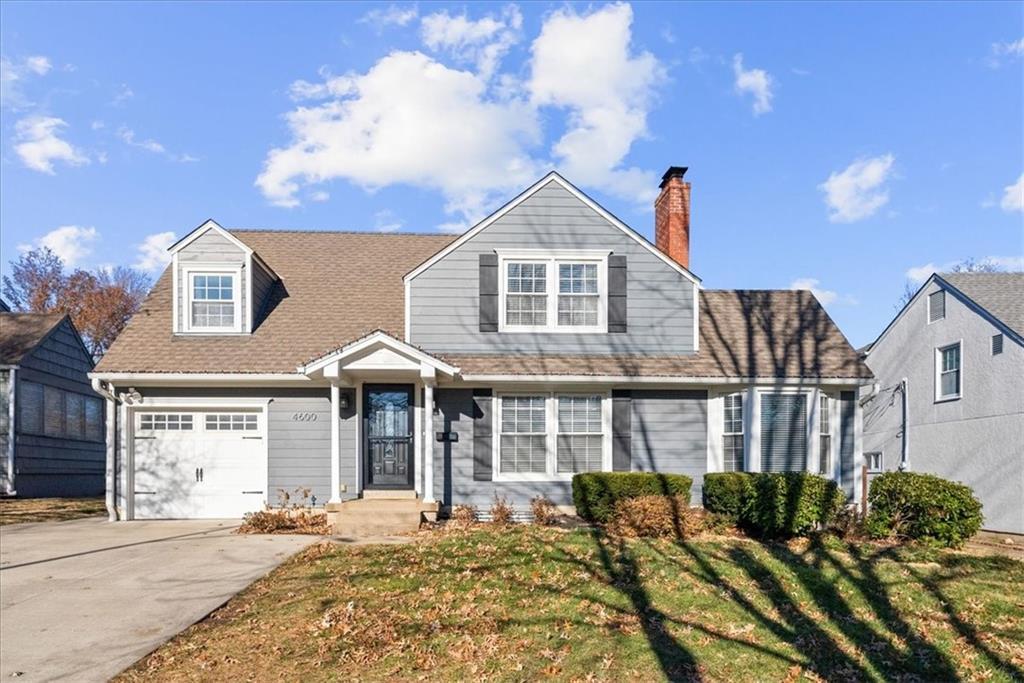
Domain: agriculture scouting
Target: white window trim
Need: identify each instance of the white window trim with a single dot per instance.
(232, 269)
(928, 307)
(551, 436)
(744, 407)
(881, 462)
(552, 258)
(939, 398)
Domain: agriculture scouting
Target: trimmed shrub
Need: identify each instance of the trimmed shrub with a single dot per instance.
(726, 492)
(544, 511)
(595, 493)
(655, 516)
(922, 506)
(501, 511)
(784, 504)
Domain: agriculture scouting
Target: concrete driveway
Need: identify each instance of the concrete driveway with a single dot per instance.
(83, 600)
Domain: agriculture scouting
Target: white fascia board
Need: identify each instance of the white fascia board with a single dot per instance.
(203, 229)
(526, 194)
(689, 381)
(199, 378)
(378, 338)
(903, 311)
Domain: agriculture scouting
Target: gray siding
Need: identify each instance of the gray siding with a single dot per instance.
(5, 425)
(670, 435)
(49, 466)
(977, 439)
(299, 451)
(210, 247)
(445, 298)
(262, 284)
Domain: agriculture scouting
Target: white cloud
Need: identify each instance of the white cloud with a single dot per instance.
(71, 243)
(1013, 196)
(386, 221)
(999, 53)
(319, 196)
(13, 75)
(858, 191)
(153, 254)
(755, 82)
(38, 144)
(482, 41)
(919, 274)
(127, 136)
(697, 56)
(390, 16)
(411, 119)
(123, 94)
(408, 120)
(606, 114)
(1010, 263)
(825, 296)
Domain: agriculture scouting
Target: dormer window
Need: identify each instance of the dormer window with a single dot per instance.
(553, 291)
(214, 300)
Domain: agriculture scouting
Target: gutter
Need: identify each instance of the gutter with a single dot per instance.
(111, 466)
(905, 410)
(12, 434)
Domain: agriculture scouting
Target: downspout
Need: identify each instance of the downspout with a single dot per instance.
(111, 470)
(905, 452)
(12, 434)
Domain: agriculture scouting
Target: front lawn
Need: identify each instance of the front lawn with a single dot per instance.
(19, 510)
(531, 602)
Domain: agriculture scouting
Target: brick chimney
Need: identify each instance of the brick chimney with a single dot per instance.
(672, 216)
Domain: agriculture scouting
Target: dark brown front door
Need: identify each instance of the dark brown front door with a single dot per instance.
(388, 442)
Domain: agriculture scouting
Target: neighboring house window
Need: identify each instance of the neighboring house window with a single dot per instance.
(997, 344)
(54, 412)
(214, 302)
(240, 422)
(551, 436)
(824, 437)
(936, 306)
(783, 432)
(874, 461)
(732, 436)
(554, 294)
(165, 422)
(526, 300)
(948, 378)
(523, 435)
(580, 439)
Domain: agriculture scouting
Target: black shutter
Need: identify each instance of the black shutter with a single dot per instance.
(488, 292)
(616, 293)
(483, 451)
(847, 416)
(622, 430)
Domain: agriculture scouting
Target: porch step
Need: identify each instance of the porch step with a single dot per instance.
(385, 494)
(378, 516)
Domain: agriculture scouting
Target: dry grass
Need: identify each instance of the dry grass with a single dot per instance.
(526, 602)
(22, 510)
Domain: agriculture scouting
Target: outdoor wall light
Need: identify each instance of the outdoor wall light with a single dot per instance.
(343, 401)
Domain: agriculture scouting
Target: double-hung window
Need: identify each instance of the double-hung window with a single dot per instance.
(947, 372)
(214, 301)
(824, 437)
(732, 436)
(551, 436)
(554, 292)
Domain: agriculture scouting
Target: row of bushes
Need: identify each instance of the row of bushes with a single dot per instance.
(777, 504)
(924, 507)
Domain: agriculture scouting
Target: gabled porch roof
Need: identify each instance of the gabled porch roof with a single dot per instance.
(377, 352)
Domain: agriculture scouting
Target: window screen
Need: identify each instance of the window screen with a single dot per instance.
(783, 432)
(526, 301)
(936, 306)
(949, 371)
(732, 436)
(53, 411)
(523, 434)
(579, 434)
(30, 407)
(75, 416)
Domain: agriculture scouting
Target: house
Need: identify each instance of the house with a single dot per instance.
(549, 339)
(52, 441)
(950, 394)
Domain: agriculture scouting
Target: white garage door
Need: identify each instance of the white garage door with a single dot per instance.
(199, 464)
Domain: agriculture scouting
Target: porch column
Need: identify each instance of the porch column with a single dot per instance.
(428, 441)
(335, 443)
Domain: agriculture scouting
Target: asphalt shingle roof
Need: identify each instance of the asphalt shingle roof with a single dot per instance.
(1001, 294)
(20, 333)
(337, 287)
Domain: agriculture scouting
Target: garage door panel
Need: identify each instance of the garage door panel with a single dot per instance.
(215, 469)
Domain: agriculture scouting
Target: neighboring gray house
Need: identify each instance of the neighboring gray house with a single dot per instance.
(547, 340)
(950, 394)
(51, 421)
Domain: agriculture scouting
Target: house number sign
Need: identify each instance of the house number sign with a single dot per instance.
(304, 417)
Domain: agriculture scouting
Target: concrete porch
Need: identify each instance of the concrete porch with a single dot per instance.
(380, 513)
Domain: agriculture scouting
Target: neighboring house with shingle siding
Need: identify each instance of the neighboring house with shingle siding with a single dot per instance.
(950, 394)
(51, 421)
(547, 340)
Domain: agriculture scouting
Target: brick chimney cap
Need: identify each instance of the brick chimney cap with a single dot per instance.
(673, 172)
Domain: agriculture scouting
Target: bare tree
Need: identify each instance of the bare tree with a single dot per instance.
(100, 303)
(968, 265)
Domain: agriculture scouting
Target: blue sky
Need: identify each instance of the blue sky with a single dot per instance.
(839, 146)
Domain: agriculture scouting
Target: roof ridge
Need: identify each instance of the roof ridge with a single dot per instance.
(342, 232)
